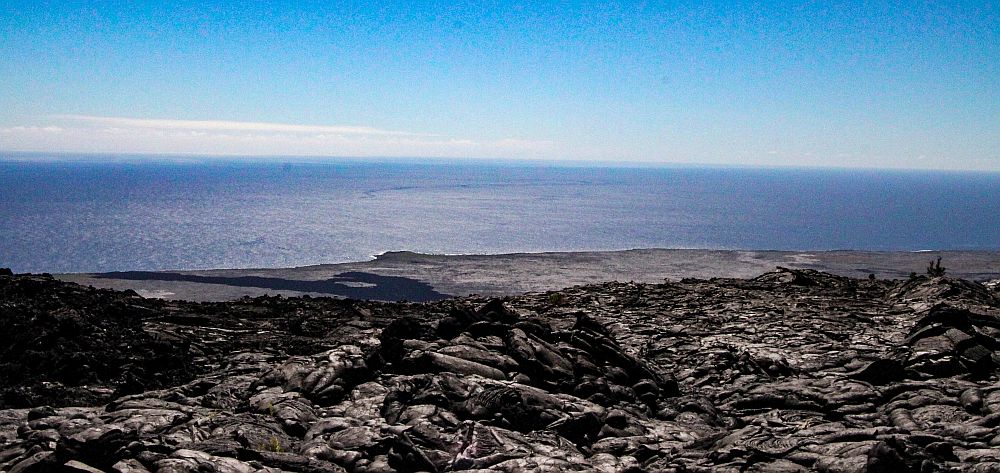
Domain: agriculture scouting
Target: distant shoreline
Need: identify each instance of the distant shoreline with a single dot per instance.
(404, 275)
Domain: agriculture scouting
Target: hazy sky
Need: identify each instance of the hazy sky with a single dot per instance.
(900, 84)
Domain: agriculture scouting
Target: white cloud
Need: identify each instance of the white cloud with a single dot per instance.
(223, 125)
(31, 129)
(85, 133)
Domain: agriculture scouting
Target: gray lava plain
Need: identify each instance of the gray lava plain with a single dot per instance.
(412, 276)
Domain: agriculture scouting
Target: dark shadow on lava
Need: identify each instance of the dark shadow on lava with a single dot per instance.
(370, 286)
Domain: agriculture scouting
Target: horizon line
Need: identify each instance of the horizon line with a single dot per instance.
(6, 155)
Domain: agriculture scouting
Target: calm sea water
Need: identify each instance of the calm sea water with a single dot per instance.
(84, 216)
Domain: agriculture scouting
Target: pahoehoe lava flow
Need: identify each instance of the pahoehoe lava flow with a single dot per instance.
(791, 371)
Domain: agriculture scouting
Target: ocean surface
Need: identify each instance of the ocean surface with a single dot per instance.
(79, 216)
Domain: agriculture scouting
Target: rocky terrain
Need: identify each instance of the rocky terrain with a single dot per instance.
(794, 370)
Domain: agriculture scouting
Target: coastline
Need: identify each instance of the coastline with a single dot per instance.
(403, 275)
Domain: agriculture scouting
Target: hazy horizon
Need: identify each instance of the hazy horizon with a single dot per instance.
(197, 158)
(854, 84)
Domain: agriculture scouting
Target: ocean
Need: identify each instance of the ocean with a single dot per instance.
(89, 216)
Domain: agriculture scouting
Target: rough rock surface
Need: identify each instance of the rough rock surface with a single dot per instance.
(794, 370)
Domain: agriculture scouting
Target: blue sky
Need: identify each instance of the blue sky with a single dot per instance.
(867, 84)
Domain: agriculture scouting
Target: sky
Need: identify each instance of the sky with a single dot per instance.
(905, 84)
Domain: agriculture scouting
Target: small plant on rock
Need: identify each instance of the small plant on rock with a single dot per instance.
(934, 268)
(272, 445)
